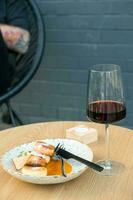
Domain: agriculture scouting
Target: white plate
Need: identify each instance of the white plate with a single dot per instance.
(73, 146)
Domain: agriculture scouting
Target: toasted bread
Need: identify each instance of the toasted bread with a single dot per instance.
(34, 171)
(44, 148)
(21, 160)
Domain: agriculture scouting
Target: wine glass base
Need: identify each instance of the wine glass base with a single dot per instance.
(111, 168)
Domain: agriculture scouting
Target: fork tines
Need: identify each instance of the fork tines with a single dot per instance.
(58, 147)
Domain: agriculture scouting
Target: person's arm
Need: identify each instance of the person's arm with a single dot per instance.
(16, 39)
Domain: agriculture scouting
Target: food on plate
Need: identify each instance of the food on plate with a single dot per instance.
(37, 161)
(44, 148)
(54, 167)
(34, 171)
(21, 160)
(40, 161)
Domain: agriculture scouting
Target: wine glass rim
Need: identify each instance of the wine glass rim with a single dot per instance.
(105, 67)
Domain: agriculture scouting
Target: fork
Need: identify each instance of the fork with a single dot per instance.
(60, 151)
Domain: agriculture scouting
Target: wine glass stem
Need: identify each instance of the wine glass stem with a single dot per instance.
(107, 159)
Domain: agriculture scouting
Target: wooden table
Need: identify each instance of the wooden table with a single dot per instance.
(89, 185)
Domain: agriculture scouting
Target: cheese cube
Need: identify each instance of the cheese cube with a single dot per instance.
(82, 133)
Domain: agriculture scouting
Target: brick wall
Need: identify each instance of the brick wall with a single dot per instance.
(79, 33)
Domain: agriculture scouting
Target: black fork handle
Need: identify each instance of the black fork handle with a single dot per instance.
(88, 163)
(67, 155)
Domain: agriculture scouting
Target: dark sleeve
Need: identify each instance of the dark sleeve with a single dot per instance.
(17, 14)
(2, 11)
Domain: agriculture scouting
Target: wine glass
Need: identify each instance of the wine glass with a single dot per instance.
(106, 104)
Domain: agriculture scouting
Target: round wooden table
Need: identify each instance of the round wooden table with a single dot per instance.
(89, 185)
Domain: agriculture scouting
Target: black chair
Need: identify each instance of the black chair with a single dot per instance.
(28, 63)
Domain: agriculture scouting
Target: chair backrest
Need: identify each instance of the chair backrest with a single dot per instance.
(28, 63)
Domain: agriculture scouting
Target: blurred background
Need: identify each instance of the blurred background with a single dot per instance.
(79, 34)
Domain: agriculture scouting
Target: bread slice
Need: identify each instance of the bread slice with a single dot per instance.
(44, 148)
(21, 160)
(34, 171)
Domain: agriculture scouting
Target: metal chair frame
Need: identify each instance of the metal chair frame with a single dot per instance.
(28, 63)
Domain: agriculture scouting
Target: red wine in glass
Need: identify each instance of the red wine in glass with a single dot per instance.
(106, 105)
(106, 111)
